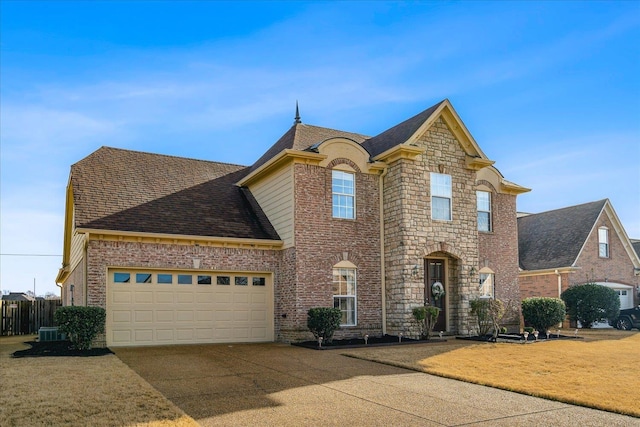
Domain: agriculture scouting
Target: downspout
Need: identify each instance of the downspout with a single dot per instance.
(559, 283)
(382, 260)
(85, 266)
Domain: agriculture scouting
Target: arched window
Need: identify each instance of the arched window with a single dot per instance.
(344, 292)
(487, 283)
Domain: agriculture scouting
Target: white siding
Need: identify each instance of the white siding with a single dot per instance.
(275, 196)
(77, 249)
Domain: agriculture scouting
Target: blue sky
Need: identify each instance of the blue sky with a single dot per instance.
(550, 91)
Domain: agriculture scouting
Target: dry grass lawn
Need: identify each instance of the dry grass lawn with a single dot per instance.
(599, 372)
(78, 391)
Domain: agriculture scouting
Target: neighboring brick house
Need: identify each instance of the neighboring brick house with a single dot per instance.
(576, 245)
(185, 251)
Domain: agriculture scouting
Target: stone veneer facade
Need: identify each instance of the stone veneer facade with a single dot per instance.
(411, 235)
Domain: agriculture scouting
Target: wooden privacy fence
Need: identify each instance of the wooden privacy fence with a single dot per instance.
(26, 317)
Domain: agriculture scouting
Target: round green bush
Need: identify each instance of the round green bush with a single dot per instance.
(542, 313)
(590, 303)
(323, 322)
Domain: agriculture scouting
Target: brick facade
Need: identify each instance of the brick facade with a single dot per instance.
(322, 241)
(498, 250)
(589, 267)
(616, 268)
(103, 254)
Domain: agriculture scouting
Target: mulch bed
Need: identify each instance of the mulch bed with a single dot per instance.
(516, 338)
(58, 348)
(385, 340)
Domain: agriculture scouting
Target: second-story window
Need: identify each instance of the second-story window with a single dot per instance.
(484, 210)
(440, 196)
(344, 194)
(603, 242)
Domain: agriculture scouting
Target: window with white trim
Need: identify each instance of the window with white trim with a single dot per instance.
(486, 285)
(344, 294)
(440, 196)
(343, 190)
(484, 210)
(603, 242)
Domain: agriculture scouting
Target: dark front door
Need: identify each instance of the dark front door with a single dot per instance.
(434, 283)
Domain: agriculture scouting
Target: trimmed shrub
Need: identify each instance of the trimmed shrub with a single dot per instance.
(542, 313)
(590, 303)
(323, 322)
(426, 316)
(488, 313)
(81, 324)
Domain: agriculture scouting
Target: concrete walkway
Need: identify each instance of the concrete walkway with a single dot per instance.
(277, 384)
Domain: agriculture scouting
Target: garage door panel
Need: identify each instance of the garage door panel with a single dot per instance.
(165, 335)
(260, 298)
(144, 316)
(204, 333)
(144, 335)
(241, 315)
(144, 297)
(204, 316)
(121, 316)
(258, 333)
(121, 336)
(121, 297)
(184, 316)
(241, 333)
(164, 315)
(241, 298)
(163, 297)
(184, 334)
(204, 297)
(184, 297)
(158, 313)
(223, 315)
(258, 315)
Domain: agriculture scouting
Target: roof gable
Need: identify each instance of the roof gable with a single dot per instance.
(302, 136)
(407, 132)
(554, 239)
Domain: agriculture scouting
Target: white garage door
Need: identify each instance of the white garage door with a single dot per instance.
(146, 307)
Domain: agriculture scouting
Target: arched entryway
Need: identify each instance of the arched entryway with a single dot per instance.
(440, 290)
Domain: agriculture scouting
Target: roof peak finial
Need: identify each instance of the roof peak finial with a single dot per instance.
(297, 118)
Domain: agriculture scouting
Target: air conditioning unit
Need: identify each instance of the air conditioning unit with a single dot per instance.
(50, 334)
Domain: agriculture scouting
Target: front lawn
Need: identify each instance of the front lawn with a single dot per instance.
(601, 374)
(78, 391)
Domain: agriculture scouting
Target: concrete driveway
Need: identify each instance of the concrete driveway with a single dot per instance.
(277, 384)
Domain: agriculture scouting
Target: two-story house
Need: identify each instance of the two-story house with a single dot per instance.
(575, 245)
(189, 251)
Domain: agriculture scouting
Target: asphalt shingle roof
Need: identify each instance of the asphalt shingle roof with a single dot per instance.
(126, 190)
(553, 239)
(399, 133)
(302, 136)
(636, 246)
